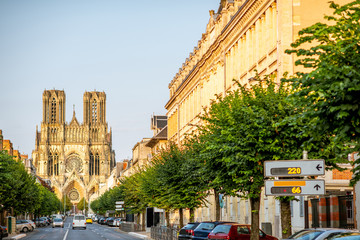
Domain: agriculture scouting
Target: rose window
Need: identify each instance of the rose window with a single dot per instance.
(73, 162)
(74, 195)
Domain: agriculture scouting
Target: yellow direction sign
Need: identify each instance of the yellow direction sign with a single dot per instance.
(294, 168)
(294, 187)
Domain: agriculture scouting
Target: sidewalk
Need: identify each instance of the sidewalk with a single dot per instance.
(143, 235)
(15, 236)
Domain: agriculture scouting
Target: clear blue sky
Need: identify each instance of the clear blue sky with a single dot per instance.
(131, 50)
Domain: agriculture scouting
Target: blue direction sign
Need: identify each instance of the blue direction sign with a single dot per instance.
(294, 168)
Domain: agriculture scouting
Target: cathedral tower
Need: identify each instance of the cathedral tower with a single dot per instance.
(77, 158)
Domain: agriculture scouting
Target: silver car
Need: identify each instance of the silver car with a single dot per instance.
(318, 233)
(23, 226)
(58, 222)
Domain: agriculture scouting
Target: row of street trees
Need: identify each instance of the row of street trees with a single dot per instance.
(19, 192)
(317, 111)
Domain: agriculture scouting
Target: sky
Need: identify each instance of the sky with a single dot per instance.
(130, 49)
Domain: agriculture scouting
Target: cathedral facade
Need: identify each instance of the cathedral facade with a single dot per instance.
(77, 158)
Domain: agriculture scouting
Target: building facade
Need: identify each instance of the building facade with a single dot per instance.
(241, 36)
(76, 158)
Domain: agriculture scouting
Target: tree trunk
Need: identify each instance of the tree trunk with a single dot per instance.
(143, 220)
(217, 206)
(255, 207)
(138, 218)
(285, 217)
(181, 215)
(192, 215)
(167, 218)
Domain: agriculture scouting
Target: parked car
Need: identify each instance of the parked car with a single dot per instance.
(110, 221)
(345, 236)
(89, 220)
(40, 222)
(58, 222)
(23, 226)
(235, 231)
(47, 221)
(117, 222)
(33, 225)
(102, 221)
(187, 232)
(318, 233)
(204, 228)
(79, 221)
(3, 232)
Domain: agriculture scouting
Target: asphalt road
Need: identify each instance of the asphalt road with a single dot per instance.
(92, 232)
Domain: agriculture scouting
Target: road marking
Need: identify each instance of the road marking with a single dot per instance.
(66, 235)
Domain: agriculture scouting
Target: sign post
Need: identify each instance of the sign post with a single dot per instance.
(119, 206)
(294, 168)
(294, 187)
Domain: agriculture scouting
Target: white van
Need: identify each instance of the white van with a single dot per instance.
(79, 221)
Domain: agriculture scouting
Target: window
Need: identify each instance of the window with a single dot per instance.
(91, 164)
(56, 164)
(243, 230)
(53, 110)
(50, 165)
(94, 112)
(97, 164)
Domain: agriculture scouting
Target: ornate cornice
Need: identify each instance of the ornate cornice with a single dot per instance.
(244, 17)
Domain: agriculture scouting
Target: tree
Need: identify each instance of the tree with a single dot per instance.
(65, 202)
(181, 185)
(81, 206)
(247, 127)
(329, 92)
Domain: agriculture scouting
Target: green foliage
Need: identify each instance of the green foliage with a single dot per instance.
(180, 183)
(107, 200)
(329, 92)
(18, 189)
(68, 205)
(80, 205)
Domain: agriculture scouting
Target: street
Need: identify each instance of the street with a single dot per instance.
(92, 232)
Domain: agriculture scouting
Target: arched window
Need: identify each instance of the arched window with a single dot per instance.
(53, 110)
(50, 165)
(94, 112)
(97, 164)
(56, 164)
(91, 165)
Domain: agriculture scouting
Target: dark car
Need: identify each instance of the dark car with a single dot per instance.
(102, 221)
(202, 231)
(234, 231)
(3, 232)
(110, 221)
(187, 232)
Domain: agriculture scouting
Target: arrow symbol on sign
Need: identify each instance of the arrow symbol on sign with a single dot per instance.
(317, 187)
(318, 167)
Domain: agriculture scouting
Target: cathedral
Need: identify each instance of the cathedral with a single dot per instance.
(76, 158)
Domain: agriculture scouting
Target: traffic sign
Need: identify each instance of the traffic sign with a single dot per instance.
(294, 187)
(294, 168)
(119, 202)
(119, 209)
(118, 206)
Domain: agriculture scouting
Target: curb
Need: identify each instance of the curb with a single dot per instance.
(16, 237)
(138, 235)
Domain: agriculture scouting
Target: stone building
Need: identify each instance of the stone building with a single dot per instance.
(76, 158)
(240, 37)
